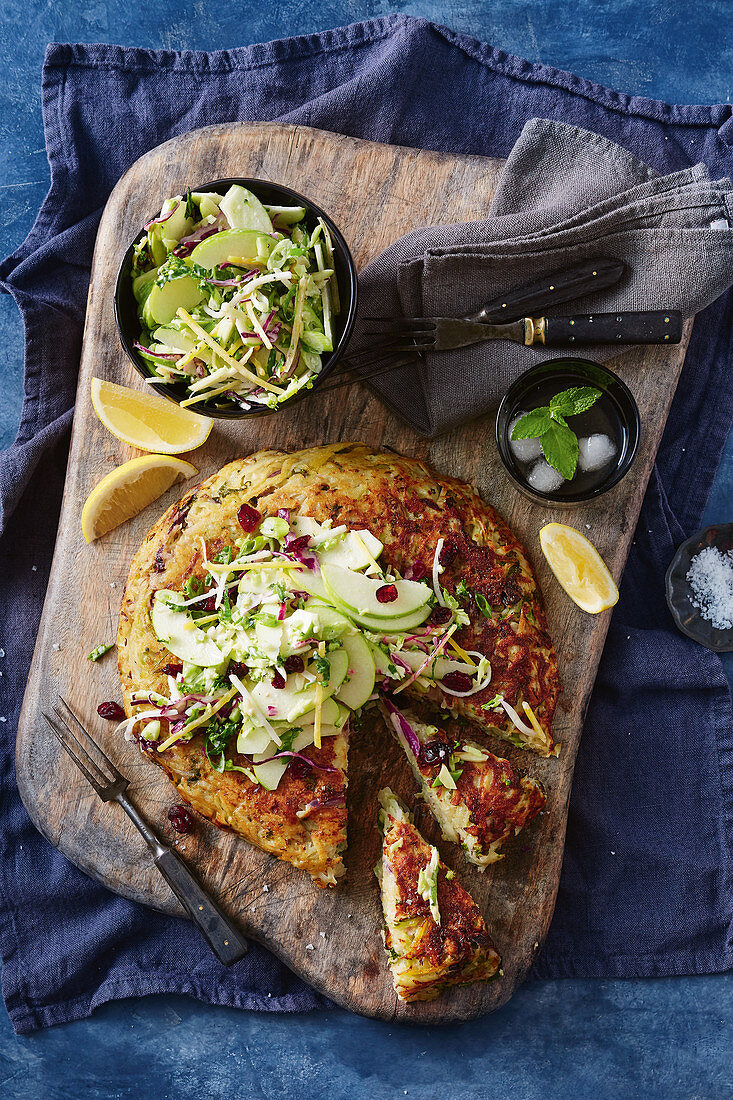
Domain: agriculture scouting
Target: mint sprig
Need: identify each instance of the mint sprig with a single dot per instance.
(548, 424)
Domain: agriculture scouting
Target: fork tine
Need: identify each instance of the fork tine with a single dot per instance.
(393, 340)
(379, 353)
(355, 376)
(115, 773)
(98, 787)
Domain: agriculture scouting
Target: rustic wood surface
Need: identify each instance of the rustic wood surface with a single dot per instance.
(375, 193)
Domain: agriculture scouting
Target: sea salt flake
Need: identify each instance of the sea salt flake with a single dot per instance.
(309, 947)
(711, 580)
(595, 452)
(524, 450)
(544, 478)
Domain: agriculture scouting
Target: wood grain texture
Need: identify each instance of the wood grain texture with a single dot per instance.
(375, 193)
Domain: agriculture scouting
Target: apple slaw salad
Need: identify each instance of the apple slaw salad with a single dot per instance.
(288, 632)
(235, 299)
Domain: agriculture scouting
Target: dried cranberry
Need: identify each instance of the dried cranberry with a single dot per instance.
(297, 768)
(238, 668)
(172, 669)
(249, 518)
(111, 710)
(434, 752)
(208, 605)
(418, 571)
(181, 819)
(278, 680)
(294, 663)
(458, 681)
(387, 593)
(440, 615)
(448, 554)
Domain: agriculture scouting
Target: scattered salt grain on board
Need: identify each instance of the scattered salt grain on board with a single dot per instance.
(711, 579)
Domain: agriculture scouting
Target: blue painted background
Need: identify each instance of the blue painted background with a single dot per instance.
(666, 1039)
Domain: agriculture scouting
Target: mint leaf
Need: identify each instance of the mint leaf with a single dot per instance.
(575, 400)
(532, 424)
(560, 448)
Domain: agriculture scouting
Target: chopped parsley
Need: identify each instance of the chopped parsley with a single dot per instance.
(218, 736)
(323, 669)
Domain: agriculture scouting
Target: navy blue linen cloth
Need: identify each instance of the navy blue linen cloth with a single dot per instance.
(646, 885)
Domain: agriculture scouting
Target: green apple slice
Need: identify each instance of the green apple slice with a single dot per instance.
(232, 244)
(359, 682)
(170, 625)
(243, 210)
(252, 740)
(438, 668)
(306, 580)
(332, 714)
(392, 626)
(270, 773)
(174, 338)
(356, 594)
(289, 704)
(163, 302)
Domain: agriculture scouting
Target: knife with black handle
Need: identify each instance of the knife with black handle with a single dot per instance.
(567, 285)
(653, 326)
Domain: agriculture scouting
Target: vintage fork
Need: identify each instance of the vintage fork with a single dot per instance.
(225, 940)
(390, 351)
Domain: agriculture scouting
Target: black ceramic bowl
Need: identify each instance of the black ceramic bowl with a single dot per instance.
(679, 594)
(273, 194)
(616, 403)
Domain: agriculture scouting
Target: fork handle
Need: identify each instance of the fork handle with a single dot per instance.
(567, 285)
(653, 326)
(225, 940)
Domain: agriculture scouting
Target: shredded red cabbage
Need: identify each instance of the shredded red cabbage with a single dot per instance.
(410, 736)
(299, 756)
(158, 354)
(294, 547)
(320, 804)
(163, 217)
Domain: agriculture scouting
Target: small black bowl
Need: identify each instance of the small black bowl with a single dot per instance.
(273, 194)
(619, 406)
(687, 617)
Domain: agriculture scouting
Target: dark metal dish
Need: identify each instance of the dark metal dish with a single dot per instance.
(687, 617)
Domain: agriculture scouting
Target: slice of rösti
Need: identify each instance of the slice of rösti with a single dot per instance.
(478, 799)
(433, 931)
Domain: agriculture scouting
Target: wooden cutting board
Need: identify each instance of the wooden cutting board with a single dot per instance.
(375, 193)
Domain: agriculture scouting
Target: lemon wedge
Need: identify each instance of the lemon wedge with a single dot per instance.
(579, 567)
(147, 421)
(127, 490)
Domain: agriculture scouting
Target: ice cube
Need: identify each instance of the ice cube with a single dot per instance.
(524, 450)
(594, 452)
(544, 478)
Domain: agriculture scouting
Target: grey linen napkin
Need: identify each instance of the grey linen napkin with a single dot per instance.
(565, 195)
